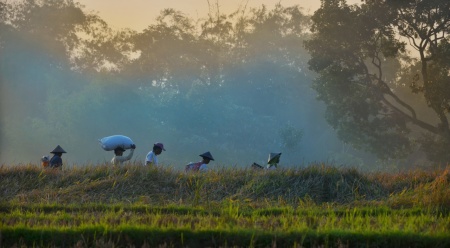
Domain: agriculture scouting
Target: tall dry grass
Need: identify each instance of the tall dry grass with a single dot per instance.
(314, 184)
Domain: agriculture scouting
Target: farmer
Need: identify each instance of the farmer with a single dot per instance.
(151, 158)
(202, 165)
(118, 155)
(56, 161)
(274, 159)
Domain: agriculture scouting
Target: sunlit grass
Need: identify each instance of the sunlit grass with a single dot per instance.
(314, 206)
(315, 184)
(141, 220)
(325, 220)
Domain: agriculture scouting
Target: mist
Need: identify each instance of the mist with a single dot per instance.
(235, 85)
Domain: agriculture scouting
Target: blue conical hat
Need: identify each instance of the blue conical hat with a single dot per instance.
(58, 149)
(207, 155)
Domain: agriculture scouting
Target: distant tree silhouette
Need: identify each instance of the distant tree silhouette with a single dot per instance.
(355, 48)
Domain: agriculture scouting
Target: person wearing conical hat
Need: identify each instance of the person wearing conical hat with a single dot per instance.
(56, 160)
(151, 158)
(206, 158)
(274, 159)
(119, 158)
(202, 165)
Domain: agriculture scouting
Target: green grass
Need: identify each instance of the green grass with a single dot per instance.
(138, 225)
(316, 206)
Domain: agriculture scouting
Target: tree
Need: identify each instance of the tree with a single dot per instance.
(101, 49)
(361, 57)
(52, 24)
(230, 77)
(35, 77)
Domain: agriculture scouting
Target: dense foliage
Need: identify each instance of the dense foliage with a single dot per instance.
(384, 74)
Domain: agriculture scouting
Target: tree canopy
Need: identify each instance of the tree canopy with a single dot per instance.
(383, 73)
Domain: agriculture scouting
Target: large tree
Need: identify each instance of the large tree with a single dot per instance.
(376, 62)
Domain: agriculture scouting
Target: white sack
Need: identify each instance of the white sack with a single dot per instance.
(112, 142)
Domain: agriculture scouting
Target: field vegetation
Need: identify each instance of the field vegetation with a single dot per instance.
(134, 206)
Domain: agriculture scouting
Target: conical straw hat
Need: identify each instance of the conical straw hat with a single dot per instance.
(207, 155)
(58, 149)
(274, 158)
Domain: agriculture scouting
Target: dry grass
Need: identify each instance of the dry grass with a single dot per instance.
(315, 184)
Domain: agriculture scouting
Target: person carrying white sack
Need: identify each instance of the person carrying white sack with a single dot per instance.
(118, 144)
(119, 158)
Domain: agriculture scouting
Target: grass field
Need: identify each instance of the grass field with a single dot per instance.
(134, 206)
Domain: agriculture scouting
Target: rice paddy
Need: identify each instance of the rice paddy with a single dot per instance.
(135, 206)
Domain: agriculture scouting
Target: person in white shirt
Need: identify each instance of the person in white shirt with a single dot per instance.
(151, 158)
(118, 155)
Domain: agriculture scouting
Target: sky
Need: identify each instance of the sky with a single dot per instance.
(139, 14)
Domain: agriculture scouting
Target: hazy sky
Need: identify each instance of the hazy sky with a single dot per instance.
(138, 14)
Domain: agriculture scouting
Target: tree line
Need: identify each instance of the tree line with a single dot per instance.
(215, 80)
